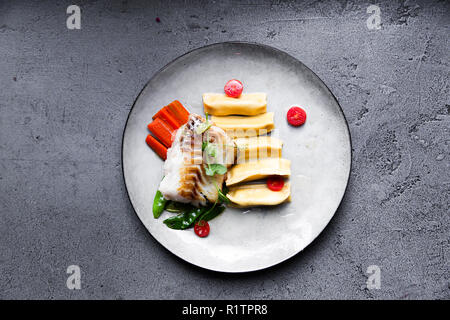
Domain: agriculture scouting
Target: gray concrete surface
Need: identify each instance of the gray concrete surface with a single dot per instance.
(65, 96)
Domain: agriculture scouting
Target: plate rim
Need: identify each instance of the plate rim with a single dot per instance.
(256, 44)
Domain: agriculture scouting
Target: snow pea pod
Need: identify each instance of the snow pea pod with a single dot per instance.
(158, 204)
(186, 219)
(177, 207)
(214, 212)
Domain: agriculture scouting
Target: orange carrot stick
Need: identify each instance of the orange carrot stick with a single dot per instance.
(179, 111)
(157, 147)
(162, 131)
(169, 118)
(158, 114)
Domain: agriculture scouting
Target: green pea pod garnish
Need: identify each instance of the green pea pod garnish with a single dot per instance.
(158, 204)
(213, 213)
(177, 207)
(186, 219)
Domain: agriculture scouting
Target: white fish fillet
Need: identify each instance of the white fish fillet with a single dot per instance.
(185, 179)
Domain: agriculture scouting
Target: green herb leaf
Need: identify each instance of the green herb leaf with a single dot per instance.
(215, 168)
(211, 149)
(219, 168)
(202, 127)
(208, 170)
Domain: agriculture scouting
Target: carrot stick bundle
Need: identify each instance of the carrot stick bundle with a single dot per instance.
(162, 131)
(179, 111)
(158, 147)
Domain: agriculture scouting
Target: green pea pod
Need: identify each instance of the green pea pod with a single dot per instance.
(186, 219)
(177, 207)
(158, 204)
(213, 213)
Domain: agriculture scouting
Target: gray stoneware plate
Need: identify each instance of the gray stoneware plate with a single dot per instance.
(246, 240)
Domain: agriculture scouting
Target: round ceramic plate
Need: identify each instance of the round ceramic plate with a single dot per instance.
(320, 152)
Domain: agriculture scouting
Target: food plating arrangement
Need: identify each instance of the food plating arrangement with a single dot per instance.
(225, 158)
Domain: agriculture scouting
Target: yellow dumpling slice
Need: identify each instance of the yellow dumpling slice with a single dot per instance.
(248, 104)
(258, 170)
(240, 126)
(258, 148)
(258, 195)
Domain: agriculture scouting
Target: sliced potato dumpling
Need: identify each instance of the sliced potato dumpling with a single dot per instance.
(239, 126)
(248, 104)
(258, 195)
(258, 170)
(258, 148)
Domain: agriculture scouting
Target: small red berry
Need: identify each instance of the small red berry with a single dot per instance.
(275, 183)
(201, 228)
(296, 116)
(233, 88)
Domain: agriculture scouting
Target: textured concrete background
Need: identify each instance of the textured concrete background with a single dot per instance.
(65, 96)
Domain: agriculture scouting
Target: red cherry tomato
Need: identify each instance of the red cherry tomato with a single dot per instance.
(201, 228)
(275, 183)
(296, 116)
(233, 88)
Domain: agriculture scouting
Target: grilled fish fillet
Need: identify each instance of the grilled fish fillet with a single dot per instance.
(185, 179)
